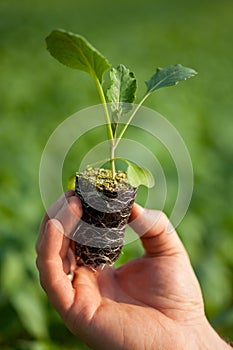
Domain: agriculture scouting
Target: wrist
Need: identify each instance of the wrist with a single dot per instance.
(206, 338)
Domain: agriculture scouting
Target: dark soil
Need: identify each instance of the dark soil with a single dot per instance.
(106, 204)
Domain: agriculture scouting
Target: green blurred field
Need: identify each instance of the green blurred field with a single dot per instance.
(37, 93)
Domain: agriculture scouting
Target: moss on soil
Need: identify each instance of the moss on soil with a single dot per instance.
(103, 180)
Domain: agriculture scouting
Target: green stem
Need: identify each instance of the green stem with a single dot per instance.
(130, 119)
(108, 125)
(112, 160)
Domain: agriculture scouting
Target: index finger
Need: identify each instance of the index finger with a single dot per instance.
(155, 231)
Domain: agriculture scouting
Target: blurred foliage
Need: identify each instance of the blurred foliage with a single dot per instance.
(37, 93)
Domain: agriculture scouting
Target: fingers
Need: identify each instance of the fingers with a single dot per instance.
(88, 293)
(50, 265)
(156, 232)
(53, 251)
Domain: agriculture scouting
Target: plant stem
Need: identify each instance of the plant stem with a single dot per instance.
(130, 119)
(112, 160)
(108, 125)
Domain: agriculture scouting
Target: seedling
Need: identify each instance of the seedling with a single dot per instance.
(115, 186)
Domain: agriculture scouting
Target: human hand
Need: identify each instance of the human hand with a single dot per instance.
(152, 302)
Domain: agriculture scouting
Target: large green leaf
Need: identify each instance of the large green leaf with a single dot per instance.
(169, 76)
(76, 52)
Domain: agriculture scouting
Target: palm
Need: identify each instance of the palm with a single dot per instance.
(136, 298)
(166, 283)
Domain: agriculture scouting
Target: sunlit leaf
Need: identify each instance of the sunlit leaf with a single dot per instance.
(76, 52)
(139, 175)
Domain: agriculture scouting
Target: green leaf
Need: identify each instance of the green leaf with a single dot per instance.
(76, 52)
(123, 85)
(139, 176)
(169, 76)
(121, 92)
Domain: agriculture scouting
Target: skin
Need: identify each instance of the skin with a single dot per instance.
(152, 302)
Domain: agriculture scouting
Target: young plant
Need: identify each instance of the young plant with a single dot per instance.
(117, 99)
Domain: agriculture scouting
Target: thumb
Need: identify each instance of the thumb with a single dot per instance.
(156, 232)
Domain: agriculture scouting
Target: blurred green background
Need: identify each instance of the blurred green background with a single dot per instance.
(37, 93)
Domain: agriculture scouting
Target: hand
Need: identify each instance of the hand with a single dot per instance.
(153, 302)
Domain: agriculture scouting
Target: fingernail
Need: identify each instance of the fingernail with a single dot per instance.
(170, 229)
(75, 205)
(57, 224)
(139, 207)
(69, 193)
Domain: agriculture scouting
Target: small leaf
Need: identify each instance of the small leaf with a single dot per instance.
(123, 85)
(76, 52)
(139, 176)
(121, 92)
(169, 76)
